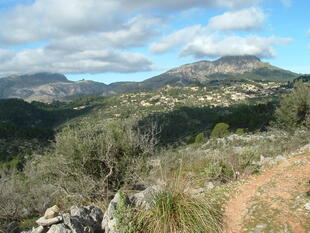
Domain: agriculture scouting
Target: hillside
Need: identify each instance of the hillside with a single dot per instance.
(47, 87)
(193, 145)
(25, 126)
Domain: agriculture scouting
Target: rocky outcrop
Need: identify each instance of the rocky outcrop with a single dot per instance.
(89, 219)
(109, 221)
(141, 199)
(86, 219)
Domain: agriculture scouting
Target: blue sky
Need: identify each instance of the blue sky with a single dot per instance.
(131, 40)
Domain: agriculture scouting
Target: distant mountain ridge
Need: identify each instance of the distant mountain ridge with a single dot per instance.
(47, 87)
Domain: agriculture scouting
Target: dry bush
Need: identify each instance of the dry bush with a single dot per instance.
(87, 164)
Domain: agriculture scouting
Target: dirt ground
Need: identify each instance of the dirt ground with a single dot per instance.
(273, 201)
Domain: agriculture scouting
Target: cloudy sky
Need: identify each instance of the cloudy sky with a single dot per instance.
(121, 40)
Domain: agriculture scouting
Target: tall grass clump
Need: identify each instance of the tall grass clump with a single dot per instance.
(174, 209)
(171, 211)
(177, 212)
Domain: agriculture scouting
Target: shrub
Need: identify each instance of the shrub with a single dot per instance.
(220, 130)
(294, 110)
(97, 158)
(240, 131)
(199, 138)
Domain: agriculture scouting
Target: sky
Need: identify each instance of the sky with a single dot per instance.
(132, 40)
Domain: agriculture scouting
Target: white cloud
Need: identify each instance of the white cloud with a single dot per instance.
(135, 33)
(84, 61)
(213, 46)
(245, 19)
(91, 53)
(212, 41)
(175, 39)
(51, 19)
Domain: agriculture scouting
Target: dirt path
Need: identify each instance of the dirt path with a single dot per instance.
(273, 201)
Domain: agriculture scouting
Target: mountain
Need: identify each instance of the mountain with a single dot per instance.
(237, 67)
(202, 72)
(47, 87)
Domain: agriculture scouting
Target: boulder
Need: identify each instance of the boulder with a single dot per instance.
(84, 219)
(109, 222)
(144, 199)
(59, 228)
(76, 226)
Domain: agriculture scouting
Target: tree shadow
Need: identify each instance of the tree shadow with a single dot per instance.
(180, 125)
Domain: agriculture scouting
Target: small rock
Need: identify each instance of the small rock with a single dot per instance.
(39, 229)
(260, 228)
(279, 158)
(48, 222)
(210, 185)
(195, 192)
(307, 206)
(52, 212)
